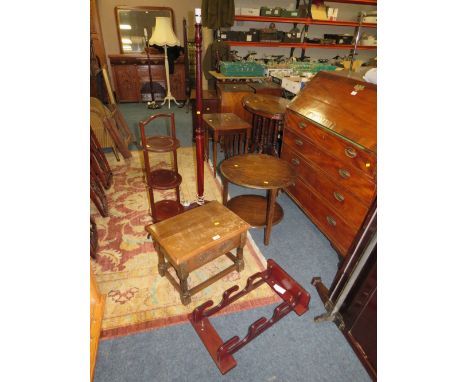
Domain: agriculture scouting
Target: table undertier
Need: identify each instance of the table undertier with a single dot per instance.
(253, 209)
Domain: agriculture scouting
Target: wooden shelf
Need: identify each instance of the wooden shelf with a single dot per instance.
(298, 45)
(308, 21)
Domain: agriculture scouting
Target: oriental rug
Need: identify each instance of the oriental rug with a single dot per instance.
(126, 265)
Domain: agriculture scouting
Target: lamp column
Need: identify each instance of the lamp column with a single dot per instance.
(169, 97)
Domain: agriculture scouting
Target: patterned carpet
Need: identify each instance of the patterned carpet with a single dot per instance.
(126, 271)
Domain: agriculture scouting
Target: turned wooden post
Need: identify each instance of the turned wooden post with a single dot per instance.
(199, 130)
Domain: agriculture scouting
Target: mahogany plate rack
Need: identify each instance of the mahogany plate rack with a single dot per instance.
(294, 298)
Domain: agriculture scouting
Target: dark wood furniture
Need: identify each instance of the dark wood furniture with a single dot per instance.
(114, 124)
(294, 298)
(210, 104)
(330, 137)
(100, 176)
(267, 87)
(193, 239)
(262, 172)
(230, 96)
(130, 73)
(97, 302)
(232, 129)
(99, 162)
(267, 121)
(351, 301)
(161, 178)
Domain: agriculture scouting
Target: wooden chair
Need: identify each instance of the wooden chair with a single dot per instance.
(101, 132)
(99, 162)
(115, 125)
(160, 178)
(93, 245)
(100, 176)
(97, 194)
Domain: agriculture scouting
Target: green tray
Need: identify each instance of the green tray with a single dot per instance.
(311, 67)
(242, 69)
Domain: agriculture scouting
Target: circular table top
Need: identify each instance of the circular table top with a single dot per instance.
(266, 105)
(259, 171)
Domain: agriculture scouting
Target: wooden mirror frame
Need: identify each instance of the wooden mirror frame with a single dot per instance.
(138, 8)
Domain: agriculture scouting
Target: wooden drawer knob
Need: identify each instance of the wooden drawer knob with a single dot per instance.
(350, 152)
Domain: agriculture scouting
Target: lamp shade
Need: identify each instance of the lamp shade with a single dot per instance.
(163, 34)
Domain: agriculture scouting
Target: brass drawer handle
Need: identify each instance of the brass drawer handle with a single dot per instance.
(350, 152)
(295, 161)
(331, 221)
(302, 125)
(123, 61)
(298, 142)
(338, 196)
(344, 173)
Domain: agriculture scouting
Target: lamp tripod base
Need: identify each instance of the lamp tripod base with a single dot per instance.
(168, 99)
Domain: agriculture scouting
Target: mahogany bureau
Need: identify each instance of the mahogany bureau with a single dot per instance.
(130, 72)
(330, 136)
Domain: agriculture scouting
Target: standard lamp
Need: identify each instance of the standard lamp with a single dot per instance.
(163, 35)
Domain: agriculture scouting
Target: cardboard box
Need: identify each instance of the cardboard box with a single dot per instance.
(318, 12)
(293, 84)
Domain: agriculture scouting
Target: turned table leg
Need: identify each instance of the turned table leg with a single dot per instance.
(225, 190)
(162, 266)
(270, 212)
(240, 253)
(184, 292)
(215, 151)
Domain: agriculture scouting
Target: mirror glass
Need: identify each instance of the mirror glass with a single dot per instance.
(131, 22)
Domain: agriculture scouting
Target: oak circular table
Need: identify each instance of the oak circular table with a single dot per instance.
(267, 121)
(258, 171)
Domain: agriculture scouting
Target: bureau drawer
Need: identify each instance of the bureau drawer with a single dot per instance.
(345, 203)
(349, 153)
(346, 176)
(336, 230)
